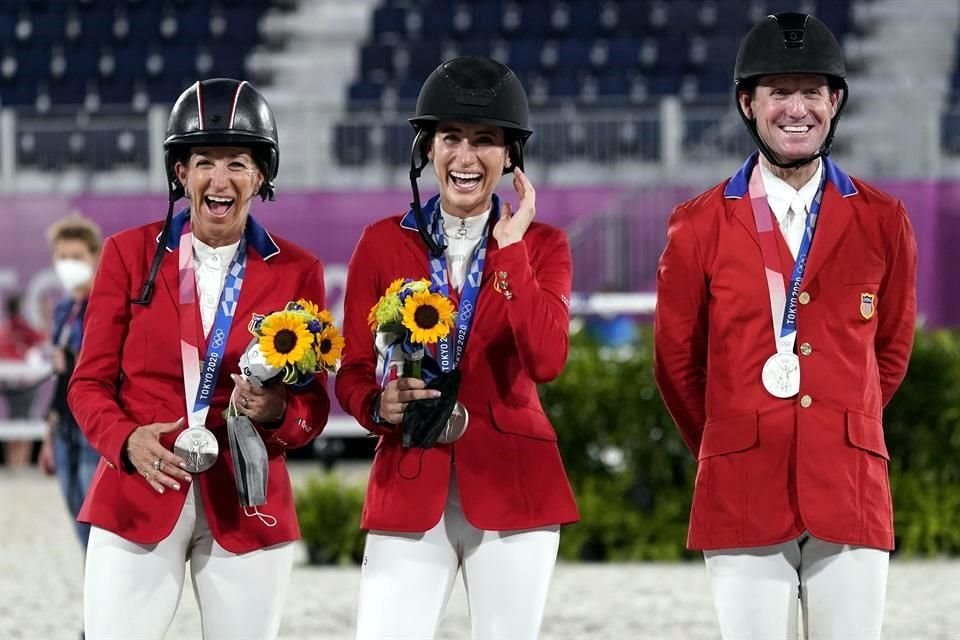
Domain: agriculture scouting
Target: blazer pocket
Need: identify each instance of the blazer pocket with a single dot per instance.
(522, 420)
(866, 432)
(729, 435)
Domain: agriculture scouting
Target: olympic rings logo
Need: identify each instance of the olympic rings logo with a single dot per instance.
(218, 338)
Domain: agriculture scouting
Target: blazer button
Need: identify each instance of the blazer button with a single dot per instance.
(806, 401)
(806, 349)
(804, 297)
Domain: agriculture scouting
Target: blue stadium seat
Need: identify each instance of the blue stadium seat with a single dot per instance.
(623, 52)
(524, 55)
(351, 144)
(70, 90)
(424, 58)
(634, 17)
(376, 59)
(534, 20)
(573, 53)
(397, 140)
(437, 18)
(129, 61)
(114, 92)
(473, 48)
(585, 19)
(193, 22)
(82, 61)
(407, 93)
(97, 26)
(663, 85)
(613, 85)
(242, 25)
(389, 20)
(364, 96)
(564, 85)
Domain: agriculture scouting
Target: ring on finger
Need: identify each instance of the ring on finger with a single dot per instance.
(157, 463)
(146, 475)
(245, 402)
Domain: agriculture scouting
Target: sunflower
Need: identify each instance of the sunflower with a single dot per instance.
(284, 338)
(324, 316)
(428, 316)
(309, 307)
(394, 287)
(329, 346)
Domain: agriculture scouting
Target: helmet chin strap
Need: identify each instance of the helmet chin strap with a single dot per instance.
(422, 224)
(146, 293)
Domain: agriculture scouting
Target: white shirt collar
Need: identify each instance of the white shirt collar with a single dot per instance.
(474, 225)
(214, 257)
(780, 194)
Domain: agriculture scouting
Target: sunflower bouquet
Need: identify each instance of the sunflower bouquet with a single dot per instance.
(296, 342)
(410, 315)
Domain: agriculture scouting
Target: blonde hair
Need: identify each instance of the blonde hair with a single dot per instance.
(76, 227)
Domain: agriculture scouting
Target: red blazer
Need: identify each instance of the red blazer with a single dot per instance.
(770, 468)
(129, 374)
(508, 467)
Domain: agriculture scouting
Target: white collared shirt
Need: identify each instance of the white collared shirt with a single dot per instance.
(463, 235)
(211, 265)
(782, 198)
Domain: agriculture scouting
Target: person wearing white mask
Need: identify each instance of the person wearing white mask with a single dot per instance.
(75, 242)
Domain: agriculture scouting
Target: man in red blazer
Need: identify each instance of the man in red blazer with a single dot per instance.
(491, 502)
(784, 323)
(129, 396)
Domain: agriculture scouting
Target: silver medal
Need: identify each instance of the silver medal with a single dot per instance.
(781, 375)
(456, 425)
(198, 447)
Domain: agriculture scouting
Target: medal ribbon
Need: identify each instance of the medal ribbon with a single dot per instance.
(199, 381)
(448, 356)
(783, 308)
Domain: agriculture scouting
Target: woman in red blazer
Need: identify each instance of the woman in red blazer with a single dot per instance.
(168, 301)
(492, 501)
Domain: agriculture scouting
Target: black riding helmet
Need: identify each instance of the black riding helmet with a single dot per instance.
(219, 112)
(790, 43)
(467, 89)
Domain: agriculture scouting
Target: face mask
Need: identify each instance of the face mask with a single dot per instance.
(73, 273)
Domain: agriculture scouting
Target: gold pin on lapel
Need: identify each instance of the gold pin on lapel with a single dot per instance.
(868, 305)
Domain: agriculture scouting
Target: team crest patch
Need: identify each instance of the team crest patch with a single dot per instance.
(868, 305)
(255, 321)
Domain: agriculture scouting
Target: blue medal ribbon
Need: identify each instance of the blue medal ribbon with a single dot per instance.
(220, 331)
(789, 324)
(449, 355)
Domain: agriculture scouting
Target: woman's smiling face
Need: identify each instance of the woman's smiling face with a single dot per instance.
(220, 183)
(468, 160)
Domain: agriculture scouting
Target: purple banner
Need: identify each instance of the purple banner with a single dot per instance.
(617, 233)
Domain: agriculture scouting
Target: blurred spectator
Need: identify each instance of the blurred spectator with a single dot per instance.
(18, 345)
(75, 243)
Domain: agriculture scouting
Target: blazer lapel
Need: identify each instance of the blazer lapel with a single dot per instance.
(835, 214)
(742, 211)
(258, 282)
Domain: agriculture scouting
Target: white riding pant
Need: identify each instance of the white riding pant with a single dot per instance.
(407, 578)
(758, 591)
(132, 590)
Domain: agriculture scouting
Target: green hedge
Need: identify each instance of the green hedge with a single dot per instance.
(633, 476)
(329, 513)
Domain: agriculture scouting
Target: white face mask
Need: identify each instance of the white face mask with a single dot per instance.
(73, 274)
